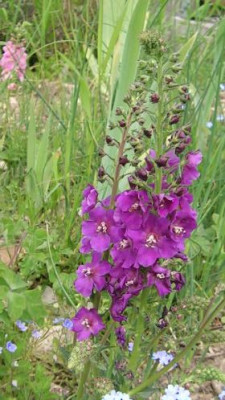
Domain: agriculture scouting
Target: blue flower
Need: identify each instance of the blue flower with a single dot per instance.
(130, 346)
(36, 334)
(162, 357)
(222, 87)
(68, 324)
(21, 325)
(11, 347)
(222, 395)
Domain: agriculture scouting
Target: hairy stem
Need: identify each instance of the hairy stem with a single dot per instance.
(118, 166)
(159, 132)
(83, 380)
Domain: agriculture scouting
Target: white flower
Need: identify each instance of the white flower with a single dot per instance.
(222, 395)
(1, 348)
(175, 392)
(209, 124)
(113, 395)
(14, 383)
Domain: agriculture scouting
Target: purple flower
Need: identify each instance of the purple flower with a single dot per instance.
(130, 206)
(162, 357)
(160, 278)
(21, 325)
(86, 323)
(85, 246)
(68, 324)
(177, 279)
(121, 335)
(90, 196)
(152, 240)
(190, 172)
(100, 229)
(91, 275)
(182, 225)
(123, 253)
(11, 347)
(128, 282)
(165, 204)
(119, 303)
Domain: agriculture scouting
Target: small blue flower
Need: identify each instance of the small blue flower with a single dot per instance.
(1, 348)
(58, 320)
(130, 346)
(11, 347)
(209, 124)
(162, 357)
(36, 334)
(21, 325)
(222, 395)
(220, 117)
(222, 87)
(68, 324)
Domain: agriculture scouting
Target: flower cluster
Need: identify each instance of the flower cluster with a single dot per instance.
(141, 236)
(175, 392)
(113, 395)
(162, 357)
(13, 61)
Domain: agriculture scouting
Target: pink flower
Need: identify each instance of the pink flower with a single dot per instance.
(13, 61)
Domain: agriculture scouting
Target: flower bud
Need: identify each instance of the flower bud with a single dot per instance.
(183, 89)
(141, 121)
(148, 133)
(177, 68)
(127, 99)
(142, 174)
(122, 123)
(101, 172)
(144, 78)
(109, 140)
(178, 108)
(162, 323)
(118, 111)
(134, 162)
(168, 79)
(174, 119)
(174, 57)
(101, 153)
(187, 128)
(161, 162)
(154, 98)
(185, 97)
(142, 64)
(123, 160)
(132, 182)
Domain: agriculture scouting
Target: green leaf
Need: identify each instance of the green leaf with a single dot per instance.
(35, 306)
(16, 305)
(12, 279)
(185, 50)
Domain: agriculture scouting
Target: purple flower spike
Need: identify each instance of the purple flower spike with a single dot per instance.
(160, 278)
(86, 323)
(90, 196)
(100, 229)
(152, 241)
(91, 275)
(190, 172)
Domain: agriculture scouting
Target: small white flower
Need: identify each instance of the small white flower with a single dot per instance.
(1, 348)
(113, 395)
(14, 383)
(209, 124)
(15, 364)
(222, 87)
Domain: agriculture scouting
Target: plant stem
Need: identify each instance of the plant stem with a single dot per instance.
(83, 379)
(118, 166)
(159, 132)
(140, 328)
(151, 379)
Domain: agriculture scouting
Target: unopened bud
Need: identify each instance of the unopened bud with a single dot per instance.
(185, 98)
(183, 89)
(118, 111)
(168, 79)
(132, 182)
(161, 162)
(111, 125)
(122, 123)
(144, 78)
(123, 160)
(174, 57)
(148, 133)
(135, 162)
(177, 68)
(109, 140)
(101, 153)
(101, 172)
(141, 121)
(174, 119)
(162, 323)
(142, 174)
(142, 64)
(154, 98)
